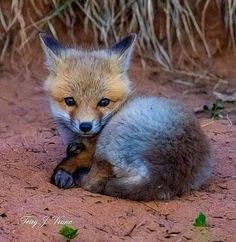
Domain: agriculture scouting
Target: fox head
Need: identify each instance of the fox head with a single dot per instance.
(86, 87)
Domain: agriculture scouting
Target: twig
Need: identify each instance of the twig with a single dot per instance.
(131, 230)
(207, 124)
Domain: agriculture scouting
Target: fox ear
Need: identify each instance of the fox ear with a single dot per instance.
(124, 50)
(52, 48)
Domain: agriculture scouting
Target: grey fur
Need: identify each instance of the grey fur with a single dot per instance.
(157, 150)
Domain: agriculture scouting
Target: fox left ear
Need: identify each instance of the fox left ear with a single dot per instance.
(124, 50)
(52, 48)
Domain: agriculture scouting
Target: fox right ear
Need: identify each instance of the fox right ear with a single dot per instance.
(123, 49)
(52, 48)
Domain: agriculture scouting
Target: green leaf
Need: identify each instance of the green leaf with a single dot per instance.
(200, 220)
(216, 109)
(60, 7)
(68, 232)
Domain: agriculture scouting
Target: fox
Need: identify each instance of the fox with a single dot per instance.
(137, 148)
(152, 149)
(85, 89)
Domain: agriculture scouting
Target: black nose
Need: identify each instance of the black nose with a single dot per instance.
(85, 127)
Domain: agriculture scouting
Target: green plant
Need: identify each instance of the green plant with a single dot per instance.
(200, 220)
(68, 232)
(216, 109)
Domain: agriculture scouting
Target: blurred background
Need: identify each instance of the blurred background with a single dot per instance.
(175, 34)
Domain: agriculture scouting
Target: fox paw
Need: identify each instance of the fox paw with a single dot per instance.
(62, 179)
(74, 149)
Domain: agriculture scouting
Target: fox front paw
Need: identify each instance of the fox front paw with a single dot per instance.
(62, 179)
(74, 149)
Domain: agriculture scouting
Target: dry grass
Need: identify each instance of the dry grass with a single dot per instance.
(162, 24)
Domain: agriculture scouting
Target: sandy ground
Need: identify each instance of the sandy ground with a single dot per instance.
(30, 148)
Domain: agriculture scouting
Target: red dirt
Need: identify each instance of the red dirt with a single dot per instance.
(31, 148)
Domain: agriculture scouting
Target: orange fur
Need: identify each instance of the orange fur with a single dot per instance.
(87, 77)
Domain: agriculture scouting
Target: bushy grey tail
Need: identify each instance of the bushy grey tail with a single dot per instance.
(137, 188)
(156, 186)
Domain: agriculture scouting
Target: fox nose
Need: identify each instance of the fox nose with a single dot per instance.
(85, 127)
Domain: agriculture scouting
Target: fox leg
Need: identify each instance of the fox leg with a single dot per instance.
(108, 178)
(99, 174)
(79, 157)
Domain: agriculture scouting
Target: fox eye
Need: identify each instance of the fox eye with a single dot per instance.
(70, 101)
(104, 102)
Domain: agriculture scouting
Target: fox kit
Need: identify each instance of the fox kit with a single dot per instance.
(153, 148)
(140, 148)
(86, 88)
